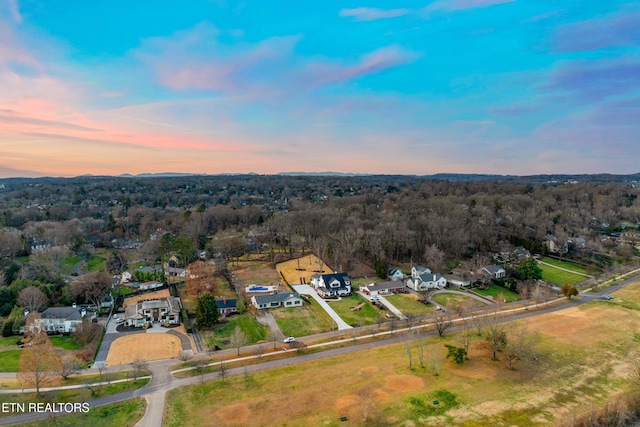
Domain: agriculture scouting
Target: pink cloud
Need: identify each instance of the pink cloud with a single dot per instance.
(361, 14)
(452, 5)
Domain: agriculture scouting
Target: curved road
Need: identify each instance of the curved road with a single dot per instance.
(163, 380)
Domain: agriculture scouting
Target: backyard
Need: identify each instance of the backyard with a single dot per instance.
(301, 321)
(220, 335)
(559, 277)
(451, 301)
(586, 270)
(494, 290)
(366, 315)
(410, 305)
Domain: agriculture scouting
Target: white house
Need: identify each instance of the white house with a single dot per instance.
(383, 288)
(495, 271)
(395, 274)
(418, 270)
(126, 277)
(64, 319)
(163, 310)
(331, 285)
(427, 281)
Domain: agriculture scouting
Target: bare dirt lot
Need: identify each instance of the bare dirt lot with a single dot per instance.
(147, 347)
(163, 293)
(297, 270)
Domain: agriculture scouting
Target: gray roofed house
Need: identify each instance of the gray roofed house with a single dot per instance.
(64, 319)
(283, 299)
(384, 288)
(331, 285)
(163, 310)
(495, 271)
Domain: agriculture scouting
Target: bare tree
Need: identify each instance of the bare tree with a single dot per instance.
(68, 367)
(32, 298)
(407, 351)
(222, 370)
(442, 323)
(420, 347)
(366, 400)
(464, 338)
(91, 287)
(425, 294)
(185, 356)
(434, 364)
(260, 351)
(434, 257)
(518, 347)
(238, 338)
(39, 362)
(139, 366)
(496, 335)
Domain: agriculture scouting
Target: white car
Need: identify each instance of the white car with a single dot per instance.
(289, 340)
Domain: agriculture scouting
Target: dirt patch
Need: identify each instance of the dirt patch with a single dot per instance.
(127, 349)
(234, 414)
(298, 271)
(346, 402)
(403, 383)
(368, 370)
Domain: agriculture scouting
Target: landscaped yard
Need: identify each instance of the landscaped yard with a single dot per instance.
(221, 334)
(559, 277)
(300, 321)
(9, 360)
(493, 290)
(592, 271)
(68, 264)
(367, 315)
(410, 305)
(65, 343)
(96, 263)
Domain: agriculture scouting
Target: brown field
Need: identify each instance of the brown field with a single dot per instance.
(309, 266)
(260, 273)
(147, 347)
(581, 360)
(163, 293)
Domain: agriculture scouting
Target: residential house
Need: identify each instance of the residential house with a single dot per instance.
(163, 310)
(456, 280)
(427, 280)
(331, 285)
(125, 277)
(226, 306)
(64, 319)
(107, 302)
(495, 271)
(396, 274)
(417, 270)
(283, 299)
(383, 288)
(520, 253)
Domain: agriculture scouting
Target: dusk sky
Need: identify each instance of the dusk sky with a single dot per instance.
(403, 87)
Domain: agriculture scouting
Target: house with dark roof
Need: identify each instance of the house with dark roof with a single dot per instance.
(427, 280)
(331, 285)
(226, 306)
(395, 274)
(495, 271)
(64, 319)
(283, 299)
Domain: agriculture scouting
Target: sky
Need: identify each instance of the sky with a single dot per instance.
(405, 87)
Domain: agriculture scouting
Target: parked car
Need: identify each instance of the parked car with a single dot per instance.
(607, 297)
(289, 340)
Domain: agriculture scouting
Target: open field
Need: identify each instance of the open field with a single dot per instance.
(154, 346)
(9, 360)
(410, 305)
(300, 321)
(559, 277)
(367, 315)
(581, 360)
(259, 273)
(493, 290)
(163, 293)
(220, 335)
(309, 265)
(125, 413)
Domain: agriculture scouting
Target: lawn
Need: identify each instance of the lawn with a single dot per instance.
(123, 414)
(493, 290)
(96, 263)
(367, 315)
(593, 271)
(65, 343)
(309, 265)
(301, 321)
(410, 305)
(9, 360)
(68, 263)
(220, 336)
(451, 301)
(570, 375)
(559, 277)
(9, 341)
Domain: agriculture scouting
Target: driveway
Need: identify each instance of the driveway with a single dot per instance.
(267, 319)
(308, 290)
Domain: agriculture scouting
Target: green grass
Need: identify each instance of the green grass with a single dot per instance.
(302, 321)
(65, 343)
(590, 270)
(123, 414)
(68, 264)
(9, 360)
(125, 291)
(23, 259)
(96, 263)
(493, 290)
(409, 305)
(9, 341)
(451, 301)
(220, 336)
(367, 315)
(559, 277)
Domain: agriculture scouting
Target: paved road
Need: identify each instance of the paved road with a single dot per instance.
(163, 380)
(308, 290)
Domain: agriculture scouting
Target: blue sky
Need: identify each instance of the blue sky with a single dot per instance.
(420, 87)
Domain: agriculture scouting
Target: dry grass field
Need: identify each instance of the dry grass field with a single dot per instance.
(147, 347)
(309, 265)
(581, 360)
(163, 293)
